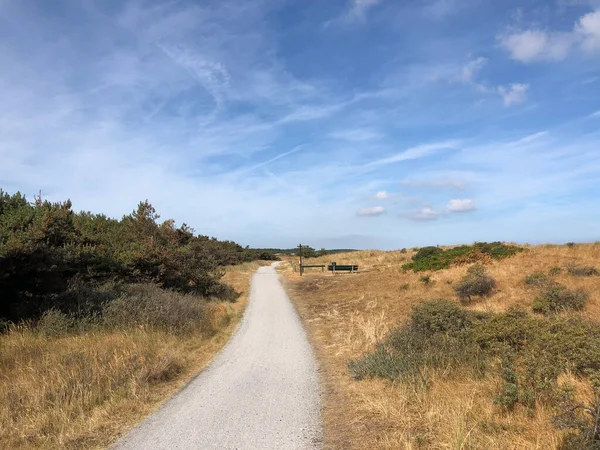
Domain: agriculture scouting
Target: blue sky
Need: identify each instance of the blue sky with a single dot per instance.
(350, 123)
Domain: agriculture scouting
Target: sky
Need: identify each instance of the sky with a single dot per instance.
(339, 123)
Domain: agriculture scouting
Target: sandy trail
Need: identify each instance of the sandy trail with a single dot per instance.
(260, 392)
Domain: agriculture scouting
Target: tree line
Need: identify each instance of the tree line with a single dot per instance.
(52, 257)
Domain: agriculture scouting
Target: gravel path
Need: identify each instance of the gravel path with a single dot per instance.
(260, 392)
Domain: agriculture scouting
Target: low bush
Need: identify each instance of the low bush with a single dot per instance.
(433, 339)
(554, 270)
(537, 279)
(475, 283)
(558, 298)
(149, 305)
(435, 258)
(527, 352)
(426, 280)
(440, 316)
(582, 271)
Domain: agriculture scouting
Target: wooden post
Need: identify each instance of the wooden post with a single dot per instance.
(301, 270)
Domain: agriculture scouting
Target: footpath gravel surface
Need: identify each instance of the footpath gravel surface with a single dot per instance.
(260, 392)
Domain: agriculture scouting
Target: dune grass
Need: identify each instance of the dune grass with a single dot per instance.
(348, 315)
(63, 386)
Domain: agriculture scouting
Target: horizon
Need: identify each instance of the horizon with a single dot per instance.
(363, 124)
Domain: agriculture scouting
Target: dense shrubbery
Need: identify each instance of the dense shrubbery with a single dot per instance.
(582, 271)
(475, 283)
(556, 298)
(435, 258)
(528, 352)
(52, 257)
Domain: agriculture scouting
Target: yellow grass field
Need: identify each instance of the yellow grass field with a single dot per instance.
(84, 390)
(347, 314)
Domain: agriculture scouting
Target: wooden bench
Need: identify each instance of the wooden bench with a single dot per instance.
(333, 267)
(322, 266)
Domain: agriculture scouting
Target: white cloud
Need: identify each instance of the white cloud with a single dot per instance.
(382, 195)
(514, 94)
(460, 205)
(371, 212)
(436, 183)
(539, 45)
(358, 9)
(471, 69)
(588, 28)
(424, 213)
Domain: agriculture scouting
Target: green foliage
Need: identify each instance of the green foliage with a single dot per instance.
(557, 298)
(434, 338)
(147, 304)
(537, 279)
(440, 316)
(583, 417)
(475, 283)
(528, 352)
(582, 271)
(435, 258)
(54, 258)
(426, 280)
(554, 270)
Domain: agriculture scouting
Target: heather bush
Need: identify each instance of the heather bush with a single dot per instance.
(557, 298)
(582, 271)
(527, 352)
(537, 279)
(475, 283)
(435, 258)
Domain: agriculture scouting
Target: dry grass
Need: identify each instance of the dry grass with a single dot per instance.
(347, 314)
(83, 391)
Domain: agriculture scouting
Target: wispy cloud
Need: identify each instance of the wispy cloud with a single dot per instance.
(436, 183)
(513, 94)
(423, 213)
(357, 135)
(460, 205)
(263, 137)
(371, 212)
(358, 9)
(416, 152)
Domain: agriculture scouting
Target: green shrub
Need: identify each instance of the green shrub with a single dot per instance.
(434, 258)
(440, 316)
(475, 283)
(508, 397)
(528, 352)
(582, 271)
(147, 304)
(54, 258)
(54, 323)
(570, 244)
(557, 298)
(435, 337)
(554, 270)
(426, 280)
(537, 279)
